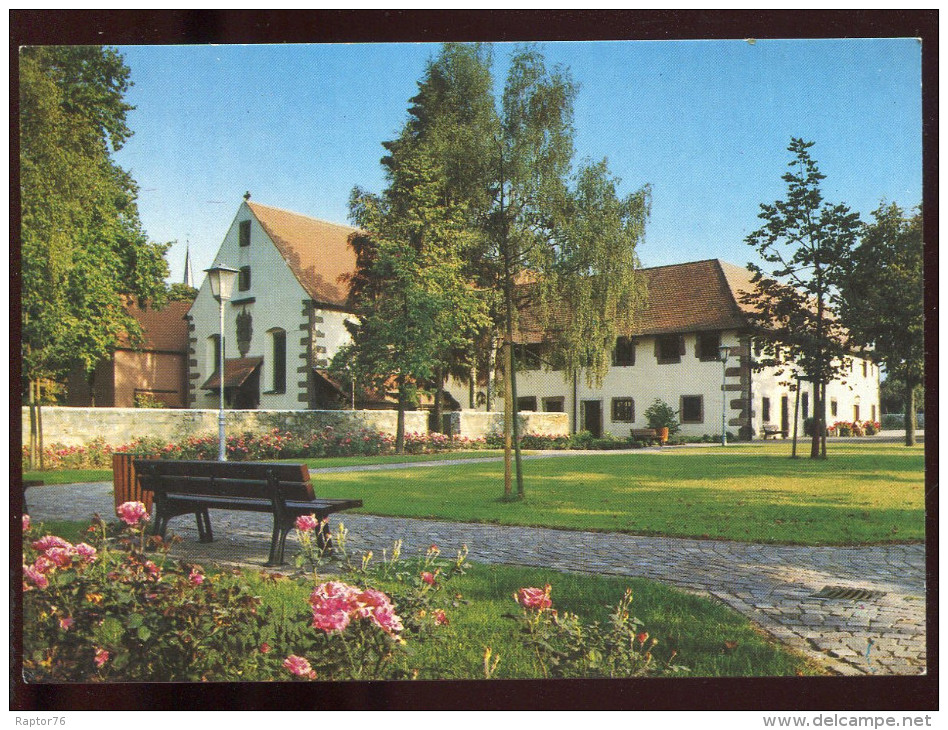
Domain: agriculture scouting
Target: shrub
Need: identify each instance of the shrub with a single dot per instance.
(871, 428)
(662, 415)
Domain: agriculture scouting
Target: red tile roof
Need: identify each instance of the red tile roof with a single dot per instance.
(691, 297)
(164, 330)
(317, 252)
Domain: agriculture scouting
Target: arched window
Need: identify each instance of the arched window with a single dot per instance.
(278, 360)
(213, 353)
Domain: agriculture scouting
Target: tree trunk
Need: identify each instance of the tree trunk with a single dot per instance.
(400, 427)
(491, 368)
(34, 440)
(822, 419)
(508, 424)
(909, 420)
(439, 393)
(515, 422)
(796, 420)
(472, 388)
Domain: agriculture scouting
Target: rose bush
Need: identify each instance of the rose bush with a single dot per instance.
(566, 647)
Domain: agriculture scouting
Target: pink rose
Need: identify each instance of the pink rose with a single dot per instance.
(299, 666)
(51, 541)
(86, 552)
(35, 577)
(306, 523)
(642, 637)
(534, 598)
(428, 578)
(195, 577)
(441, 618)
(66, 623)
(264, 648)
(44, 565)
(131, 513)
(387, 620)
(26, 523)
(101, 657)
(62, 557)
(153, 570)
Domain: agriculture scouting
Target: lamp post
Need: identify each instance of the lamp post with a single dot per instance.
(723, 352)
(221, 279)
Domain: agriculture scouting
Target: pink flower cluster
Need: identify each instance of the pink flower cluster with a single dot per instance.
(535, 599)
(56, 553)
(299, 666)
(336, 604)
(306, 523)
(131, 513)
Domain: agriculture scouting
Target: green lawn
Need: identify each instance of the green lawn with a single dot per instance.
(697, 627)
(863, 493)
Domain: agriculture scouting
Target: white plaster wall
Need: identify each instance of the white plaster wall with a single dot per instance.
(643, 382)
(847, 390)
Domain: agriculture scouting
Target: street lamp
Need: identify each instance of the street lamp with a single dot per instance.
(221, 278)
(723, 352)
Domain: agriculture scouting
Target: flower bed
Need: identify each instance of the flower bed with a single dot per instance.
(117, 608)
(853, 428)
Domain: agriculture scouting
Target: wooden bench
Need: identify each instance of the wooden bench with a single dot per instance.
(194, 487)
(774, 431)
(648, 435)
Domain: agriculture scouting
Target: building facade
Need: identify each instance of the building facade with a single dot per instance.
(285, 320)
(156, 370)
(692, 310)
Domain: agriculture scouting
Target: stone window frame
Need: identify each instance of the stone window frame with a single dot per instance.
(681, 409)
(622, 404)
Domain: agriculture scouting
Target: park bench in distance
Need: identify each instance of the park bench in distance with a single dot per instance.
(774, 431)
(193, 487)
(646, 435)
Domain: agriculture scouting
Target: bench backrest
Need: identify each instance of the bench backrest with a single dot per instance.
(225, 478)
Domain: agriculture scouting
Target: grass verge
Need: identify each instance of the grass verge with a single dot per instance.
(712, 640)
(863, 493)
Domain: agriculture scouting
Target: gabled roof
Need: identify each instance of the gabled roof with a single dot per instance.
(692, 297)
(317, 252)
(163, 330)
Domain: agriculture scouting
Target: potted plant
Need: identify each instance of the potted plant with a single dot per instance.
(661, 417)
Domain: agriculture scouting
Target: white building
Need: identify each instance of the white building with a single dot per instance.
(285, 320)
(673, 355)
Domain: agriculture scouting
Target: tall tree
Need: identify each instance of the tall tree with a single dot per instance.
(535, 236)
(805, 240)
(83, 251)
(882, 299)
(415, 308)
(557, 243)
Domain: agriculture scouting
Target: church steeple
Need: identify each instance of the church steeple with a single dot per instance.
(188, 273)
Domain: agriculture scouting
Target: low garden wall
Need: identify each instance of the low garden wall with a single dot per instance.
(118, 426)
(478, 424)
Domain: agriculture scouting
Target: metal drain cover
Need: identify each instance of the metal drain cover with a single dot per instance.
(847, 594)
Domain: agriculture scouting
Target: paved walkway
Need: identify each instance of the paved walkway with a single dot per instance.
(772, 585)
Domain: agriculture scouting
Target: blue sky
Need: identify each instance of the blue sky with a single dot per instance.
(706, 123)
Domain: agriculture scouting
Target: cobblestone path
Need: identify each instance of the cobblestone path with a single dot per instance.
(772, 585)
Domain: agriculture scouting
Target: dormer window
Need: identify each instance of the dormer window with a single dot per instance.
(244, 233)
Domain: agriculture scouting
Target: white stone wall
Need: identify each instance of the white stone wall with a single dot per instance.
(478, 424)
(119, 426)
